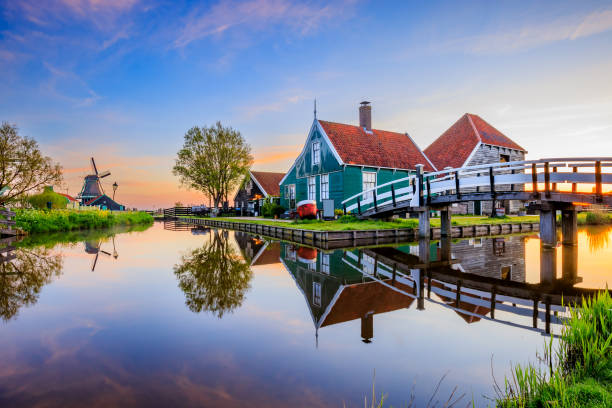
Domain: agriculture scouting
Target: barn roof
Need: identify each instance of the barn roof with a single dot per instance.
(375, 148)
(454, 147)
(268, 181)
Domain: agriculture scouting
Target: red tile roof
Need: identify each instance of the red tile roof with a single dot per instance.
(69, 197)
(454, 146)
(378, 149)
(268, 181)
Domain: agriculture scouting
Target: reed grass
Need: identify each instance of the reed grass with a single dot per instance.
(578, 373)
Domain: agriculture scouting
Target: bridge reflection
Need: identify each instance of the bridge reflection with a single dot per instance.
(478, 279)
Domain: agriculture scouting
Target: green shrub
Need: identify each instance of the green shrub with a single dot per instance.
(345, 219)
(35, 221)
(597, 218)
(41, 200)
(269, 209)
(338, 212)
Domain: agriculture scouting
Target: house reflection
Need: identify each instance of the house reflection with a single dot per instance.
(256, 250)
(474, 278)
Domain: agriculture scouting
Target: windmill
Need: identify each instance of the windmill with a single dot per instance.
(94, 247)
(92, 187)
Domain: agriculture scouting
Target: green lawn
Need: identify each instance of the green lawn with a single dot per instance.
(351, 224)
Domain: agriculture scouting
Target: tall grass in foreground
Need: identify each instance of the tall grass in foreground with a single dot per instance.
(45, 221)
(578, 373)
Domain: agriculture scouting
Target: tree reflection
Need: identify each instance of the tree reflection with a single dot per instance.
(214, 277)
(22, 278)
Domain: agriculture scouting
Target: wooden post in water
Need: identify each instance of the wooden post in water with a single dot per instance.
(569, 227)
(445, 222)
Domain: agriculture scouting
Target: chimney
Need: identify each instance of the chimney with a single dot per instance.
(365, 115)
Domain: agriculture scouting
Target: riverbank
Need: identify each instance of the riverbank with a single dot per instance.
(578, 373)
(348, 223)
(46, 221)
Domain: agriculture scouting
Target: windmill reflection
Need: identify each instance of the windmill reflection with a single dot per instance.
(478, 279)
(214, 277)
(23, 274)
(94, 247)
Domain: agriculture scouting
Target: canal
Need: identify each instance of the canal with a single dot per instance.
(177, 315)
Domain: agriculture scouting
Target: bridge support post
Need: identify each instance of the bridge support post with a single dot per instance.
(548, 227)
(548, 264)
(569, 227)
(445, 222)
(424, 250)
(424, 225)
(445, 248)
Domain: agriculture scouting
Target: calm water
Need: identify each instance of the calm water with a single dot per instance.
(215, 318)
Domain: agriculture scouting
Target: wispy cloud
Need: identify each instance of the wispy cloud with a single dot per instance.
(278, 105)
(68, 86)
(47, 13)
(535, 35)
(258, 15)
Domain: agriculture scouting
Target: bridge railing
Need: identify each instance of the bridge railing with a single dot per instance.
(543, 176)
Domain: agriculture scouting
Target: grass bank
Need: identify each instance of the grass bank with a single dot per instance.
(45, 221)
(578, 373)
(348, 223)
(594, 218)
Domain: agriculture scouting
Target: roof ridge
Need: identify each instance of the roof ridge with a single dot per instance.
(469, 116)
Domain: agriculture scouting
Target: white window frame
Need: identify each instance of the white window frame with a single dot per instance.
(325, 263)
(316, 293)
(316, 153)
(312, 188)
(290, 194)
(367, 185)
(324, 181)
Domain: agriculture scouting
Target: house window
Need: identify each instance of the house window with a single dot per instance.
(506, 272)
(324, 186)
(504, 158)
(325, 263)
(312, 188)
(368, 264)
(290, 194)
(316, 293)
(291, 253)
(369, 181)
(316, 153)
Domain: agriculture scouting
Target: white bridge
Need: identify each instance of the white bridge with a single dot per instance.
(553, 184)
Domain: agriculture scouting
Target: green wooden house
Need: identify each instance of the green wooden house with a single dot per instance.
(340, 160)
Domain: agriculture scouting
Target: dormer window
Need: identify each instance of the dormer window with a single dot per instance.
(316, 153)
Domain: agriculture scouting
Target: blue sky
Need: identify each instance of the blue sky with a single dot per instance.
(124, 80)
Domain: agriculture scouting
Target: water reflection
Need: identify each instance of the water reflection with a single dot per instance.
(474, 278)
(598, 237)
(23, 277)
(214, 277)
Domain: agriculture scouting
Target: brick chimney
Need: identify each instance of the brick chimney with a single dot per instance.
(365, 115)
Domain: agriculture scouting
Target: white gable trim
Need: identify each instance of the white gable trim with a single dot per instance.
(317, 125)
(471, 156)
(329, 143)
(422, 152)
(258, 185)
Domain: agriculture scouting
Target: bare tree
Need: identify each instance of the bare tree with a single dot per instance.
(23, 168)
(213, 160)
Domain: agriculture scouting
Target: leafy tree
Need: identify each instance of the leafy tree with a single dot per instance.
(48, 196)
(213, 160)
(214, 277)
(23, 168)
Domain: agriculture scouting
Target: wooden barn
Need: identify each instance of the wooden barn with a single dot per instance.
(259, 186)
(472, 141)
(340, 160)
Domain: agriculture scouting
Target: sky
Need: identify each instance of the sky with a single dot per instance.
(123, 80)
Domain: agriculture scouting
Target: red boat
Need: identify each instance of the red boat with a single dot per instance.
(307, 209)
